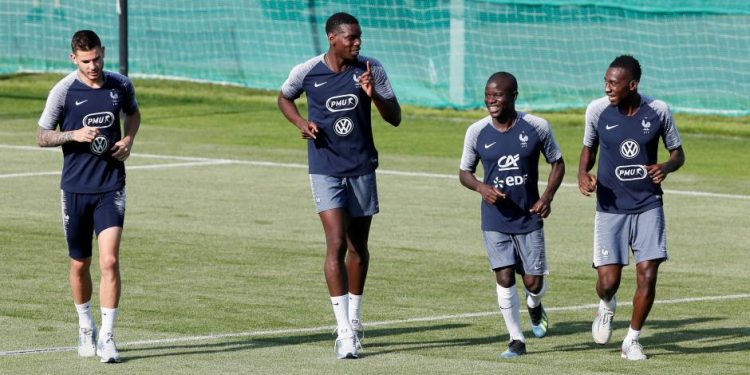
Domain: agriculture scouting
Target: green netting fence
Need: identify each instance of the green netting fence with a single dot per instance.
(695, 53)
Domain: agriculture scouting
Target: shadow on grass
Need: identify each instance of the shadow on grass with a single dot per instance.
(675, 337)
(235, 345)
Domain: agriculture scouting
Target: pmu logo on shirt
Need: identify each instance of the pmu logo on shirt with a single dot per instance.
(342, 103)
(630, 172)
(99, 119)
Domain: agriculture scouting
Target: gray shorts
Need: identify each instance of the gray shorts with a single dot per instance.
(525, 251)
(358, 195)
(615, 234)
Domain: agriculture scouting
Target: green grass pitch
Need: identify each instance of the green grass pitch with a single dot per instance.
(222, 252)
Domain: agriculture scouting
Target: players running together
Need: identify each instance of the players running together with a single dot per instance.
(509, 143)
(627, 128)
(340, 85)
(86, 107)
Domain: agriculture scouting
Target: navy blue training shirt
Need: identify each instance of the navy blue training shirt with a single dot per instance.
(90, 167)
(626, 145)
(511, 164)
(341, 109)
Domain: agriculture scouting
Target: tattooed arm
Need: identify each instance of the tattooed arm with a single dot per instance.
(54, 138)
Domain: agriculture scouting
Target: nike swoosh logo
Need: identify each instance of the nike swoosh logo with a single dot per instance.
(486, 146)
(319, 84)
(611, 127)
(81, 102)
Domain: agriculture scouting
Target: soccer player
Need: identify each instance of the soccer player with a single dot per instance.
(509, 143)
(627, 127)
(340, 85)
(86, 107)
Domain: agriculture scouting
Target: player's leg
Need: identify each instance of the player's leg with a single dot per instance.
(362, 204)
(534, 264)
(357, 264)
(78, 227)
(335, 225)
(329, 194)
(611, 238)
(501, 253)
(109, 218)
(650, 250)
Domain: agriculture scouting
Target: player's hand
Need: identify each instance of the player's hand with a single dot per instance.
(309, 130)
(121, 149)
(586, 183)
(365, 80)
(85, 134)
(543, 207)
(490, 194)
(656, 172)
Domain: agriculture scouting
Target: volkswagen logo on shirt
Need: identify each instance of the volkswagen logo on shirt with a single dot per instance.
(99, 119)
(342, 102)
(100, 145)
(629, 149)
(343, 126)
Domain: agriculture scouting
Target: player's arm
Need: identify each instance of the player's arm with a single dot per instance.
(489, 194)
(54, 138)
(121, 149)
(389, 109)
(586, 181)
(659, 172)
(543, 206)
(289, 110)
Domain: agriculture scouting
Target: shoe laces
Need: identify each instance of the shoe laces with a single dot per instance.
(605, 315)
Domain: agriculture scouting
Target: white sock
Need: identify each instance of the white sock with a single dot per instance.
(108, 321)
(341, 311)
(355, 301)
(85, 320)
(610, 305)
(632, 335)
(507, 299)
(533, 300)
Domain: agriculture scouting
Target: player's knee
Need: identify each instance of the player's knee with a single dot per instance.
(109, 263)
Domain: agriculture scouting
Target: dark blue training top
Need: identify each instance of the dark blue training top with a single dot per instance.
(341, 109)
(90, 167)
(626, 145)
(511, 164)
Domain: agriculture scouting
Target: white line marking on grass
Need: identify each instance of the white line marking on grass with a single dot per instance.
(380, 171)
(150, 166)
(278, 332)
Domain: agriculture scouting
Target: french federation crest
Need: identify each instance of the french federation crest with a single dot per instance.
(524, 139)
(646, 126)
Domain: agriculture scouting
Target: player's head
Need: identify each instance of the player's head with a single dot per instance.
(88, 55)
(622, 78)
(500, 95)
(85, 40)
(344, 35)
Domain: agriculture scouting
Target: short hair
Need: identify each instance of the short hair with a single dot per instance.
(84, 40)
(338, 19)
(506, 77)
(628, 63)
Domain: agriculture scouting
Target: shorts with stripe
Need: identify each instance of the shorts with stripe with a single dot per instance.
(87, 214)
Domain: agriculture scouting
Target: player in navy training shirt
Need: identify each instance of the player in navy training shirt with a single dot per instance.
(340, 86)
(509, 143)
(627, 127)
(86, 107)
